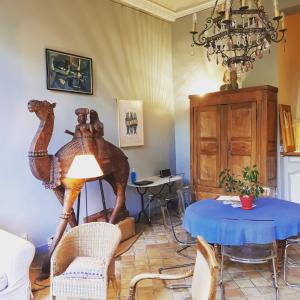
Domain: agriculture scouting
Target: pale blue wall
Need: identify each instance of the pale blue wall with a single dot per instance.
(132, 59)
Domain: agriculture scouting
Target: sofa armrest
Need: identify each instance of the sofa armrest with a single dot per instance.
(16, 255)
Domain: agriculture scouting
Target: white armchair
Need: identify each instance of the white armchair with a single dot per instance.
(16, 255)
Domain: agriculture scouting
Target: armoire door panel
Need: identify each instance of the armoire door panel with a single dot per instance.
(208, 169)
(241, 118)
(239, 162)
(208, 145)
(241, 147)
(208, 126)
(241, 130)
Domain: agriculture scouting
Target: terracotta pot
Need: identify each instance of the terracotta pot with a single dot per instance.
(247, 201)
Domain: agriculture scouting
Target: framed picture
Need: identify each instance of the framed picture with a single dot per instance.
(286, 126)
(68, 72)
(130, 119)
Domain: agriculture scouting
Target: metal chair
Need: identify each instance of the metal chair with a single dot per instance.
(159, 202)
(250, 252)
(204, 283)
(164, 198)
(288, 262)
(186, 196)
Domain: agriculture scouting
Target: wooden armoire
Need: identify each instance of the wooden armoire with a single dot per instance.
(230, 130)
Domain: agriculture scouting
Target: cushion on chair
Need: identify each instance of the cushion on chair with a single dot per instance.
(3, 281)
(85, 267)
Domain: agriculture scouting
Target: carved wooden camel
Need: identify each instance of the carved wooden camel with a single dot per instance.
(52, 169)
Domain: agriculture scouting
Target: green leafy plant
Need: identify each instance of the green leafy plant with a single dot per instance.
(247, 184)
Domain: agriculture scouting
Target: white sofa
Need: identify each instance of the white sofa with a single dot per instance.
(16, 255)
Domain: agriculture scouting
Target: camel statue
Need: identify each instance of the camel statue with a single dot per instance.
(52, 169)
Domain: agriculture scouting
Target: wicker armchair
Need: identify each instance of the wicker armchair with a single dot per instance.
(95, 240)
(204, 283)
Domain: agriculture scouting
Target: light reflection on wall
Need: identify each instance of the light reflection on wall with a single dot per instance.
(289, 66)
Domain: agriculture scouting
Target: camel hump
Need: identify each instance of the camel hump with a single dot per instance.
(115, 149)
(67, 153)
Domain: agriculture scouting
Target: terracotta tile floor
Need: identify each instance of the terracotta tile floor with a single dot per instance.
(156, 248)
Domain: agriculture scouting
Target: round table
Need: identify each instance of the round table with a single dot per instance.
(271, 219)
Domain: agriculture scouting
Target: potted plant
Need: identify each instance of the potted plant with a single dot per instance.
(246, 186)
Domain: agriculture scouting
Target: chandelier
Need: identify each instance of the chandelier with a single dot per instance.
(238, 32)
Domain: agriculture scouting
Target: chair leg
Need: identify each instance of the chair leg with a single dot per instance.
(162, 209)
(221, 269)
(148, 205)
(285, 265)
(285, 268)
(221, 277)
(179, 252)
(52, 297)
(275, 278)
(116, 286)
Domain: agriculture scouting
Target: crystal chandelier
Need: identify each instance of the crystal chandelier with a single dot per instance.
(238, 32)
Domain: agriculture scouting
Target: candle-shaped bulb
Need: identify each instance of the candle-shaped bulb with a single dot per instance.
(258, 3)
(283, 21)
(194, 22)
(276, 8)
(243, 4)
(221, 7)
(227, 9)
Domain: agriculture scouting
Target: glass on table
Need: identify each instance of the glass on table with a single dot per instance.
(270, 191)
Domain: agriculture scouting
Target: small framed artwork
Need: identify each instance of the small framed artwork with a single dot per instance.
(69, 72)
(286, 126)
(130, 119)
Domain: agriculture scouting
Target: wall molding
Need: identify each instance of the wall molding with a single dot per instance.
(200, 7)
(161, 12)
(150, 8)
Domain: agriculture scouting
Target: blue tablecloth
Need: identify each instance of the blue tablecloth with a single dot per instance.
(222, 224)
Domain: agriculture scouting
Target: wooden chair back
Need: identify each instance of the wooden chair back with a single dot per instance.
(204, 284)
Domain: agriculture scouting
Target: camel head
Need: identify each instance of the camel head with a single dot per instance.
(96, 123)
(41, 108)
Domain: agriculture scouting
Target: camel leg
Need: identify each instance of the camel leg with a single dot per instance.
(70, 197)
(120, 201)
(60, 193)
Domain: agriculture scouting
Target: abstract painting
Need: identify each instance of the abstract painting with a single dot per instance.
(68, 72)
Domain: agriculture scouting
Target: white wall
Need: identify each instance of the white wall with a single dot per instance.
(132, 59)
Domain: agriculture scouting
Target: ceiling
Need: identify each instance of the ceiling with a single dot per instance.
(169, 10)
(177, 6)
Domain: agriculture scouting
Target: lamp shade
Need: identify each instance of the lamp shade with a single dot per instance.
(84, 166)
